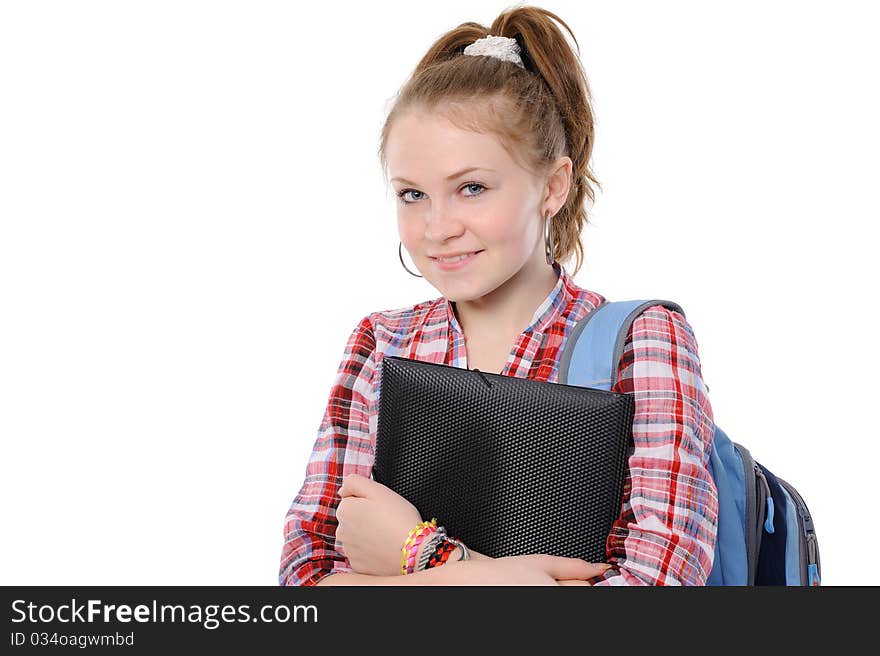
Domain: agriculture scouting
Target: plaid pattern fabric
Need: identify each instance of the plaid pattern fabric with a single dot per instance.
(666, 531)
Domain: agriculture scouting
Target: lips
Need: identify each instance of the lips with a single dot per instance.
(457, 262)
(454, 255)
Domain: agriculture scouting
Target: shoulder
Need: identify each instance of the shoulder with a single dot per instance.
(384, 332)
(395, 323)
(396, 319)
(660, 345)
(661, 325)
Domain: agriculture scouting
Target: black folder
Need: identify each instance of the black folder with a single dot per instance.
(508, 465)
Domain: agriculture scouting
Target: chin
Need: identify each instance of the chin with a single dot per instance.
(466, 290)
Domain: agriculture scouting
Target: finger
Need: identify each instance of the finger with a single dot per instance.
(354, 485)
(342, 510)
(572, 582)
(597, 569)
(560, 567)
(349, 506)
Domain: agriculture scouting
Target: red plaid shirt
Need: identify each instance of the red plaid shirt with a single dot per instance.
(665, 534)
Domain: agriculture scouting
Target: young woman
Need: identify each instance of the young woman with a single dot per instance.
(488, 148)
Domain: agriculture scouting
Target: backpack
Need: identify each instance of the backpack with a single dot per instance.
(765, 531)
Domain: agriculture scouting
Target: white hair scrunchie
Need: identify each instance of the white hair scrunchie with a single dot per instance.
(500, 47)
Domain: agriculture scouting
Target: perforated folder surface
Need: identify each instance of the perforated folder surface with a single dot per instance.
(509, 465)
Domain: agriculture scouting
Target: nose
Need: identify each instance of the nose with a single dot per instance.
(441, 224)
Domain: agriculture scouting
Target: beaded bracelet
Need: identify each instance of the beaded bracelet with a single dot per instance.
(411, 545)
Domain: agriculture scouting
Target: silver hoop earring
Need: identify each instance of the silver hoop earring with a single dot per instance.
(400, 255)
(548, 244)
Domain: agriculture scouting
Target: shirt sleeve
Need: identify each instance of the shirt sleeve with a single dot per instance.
(343, 447)
(667, 528)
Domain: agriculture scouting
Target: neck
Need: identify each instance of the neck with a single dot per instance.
(509, 308)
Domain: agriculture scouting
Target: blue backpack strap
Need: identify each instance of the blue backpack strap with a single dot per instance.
(736, 548)
(593, 350)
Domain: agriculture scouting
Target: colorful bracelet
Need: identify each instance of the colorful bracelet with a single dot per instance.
(441, 554)
(411, 545)
(429, 545)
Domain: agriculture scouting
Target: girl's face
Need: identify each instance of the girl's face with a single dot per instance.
(494, 210)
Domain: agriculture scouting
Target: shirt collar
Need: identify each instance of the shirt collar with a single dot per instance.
(549, 309)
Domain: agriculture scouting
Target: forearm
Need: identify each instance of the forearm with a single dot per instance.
(433, 576)
(453, 572)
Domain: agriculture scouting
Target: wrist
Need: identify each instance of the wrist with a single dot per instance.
(414, 545)
(455, 558)
(429, 547)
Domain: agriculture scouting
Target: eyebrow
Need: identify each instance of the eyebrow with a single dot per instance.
(453, 176)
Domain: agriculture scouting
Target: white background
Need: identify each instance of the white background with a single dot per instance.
(193, 219)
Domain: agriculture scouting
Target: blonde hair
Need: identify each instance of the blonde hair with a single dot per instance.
(540, 112)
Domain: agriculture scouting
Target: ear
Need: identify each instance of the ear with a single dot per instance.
(558, 185)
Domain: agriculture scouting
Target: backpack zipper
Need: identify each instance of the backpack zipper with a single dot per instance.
(768, 515)
(809, 530)
(813, 567)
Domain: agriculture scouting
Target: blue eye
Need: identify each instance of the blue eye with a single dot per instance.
(403, 192)
(475, 184)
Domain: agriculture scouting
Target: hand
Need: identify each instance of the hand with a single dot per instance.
(530, 569)
(374, 522)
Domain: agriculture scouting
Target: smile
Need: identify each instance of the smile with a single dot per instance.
(450, 264)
